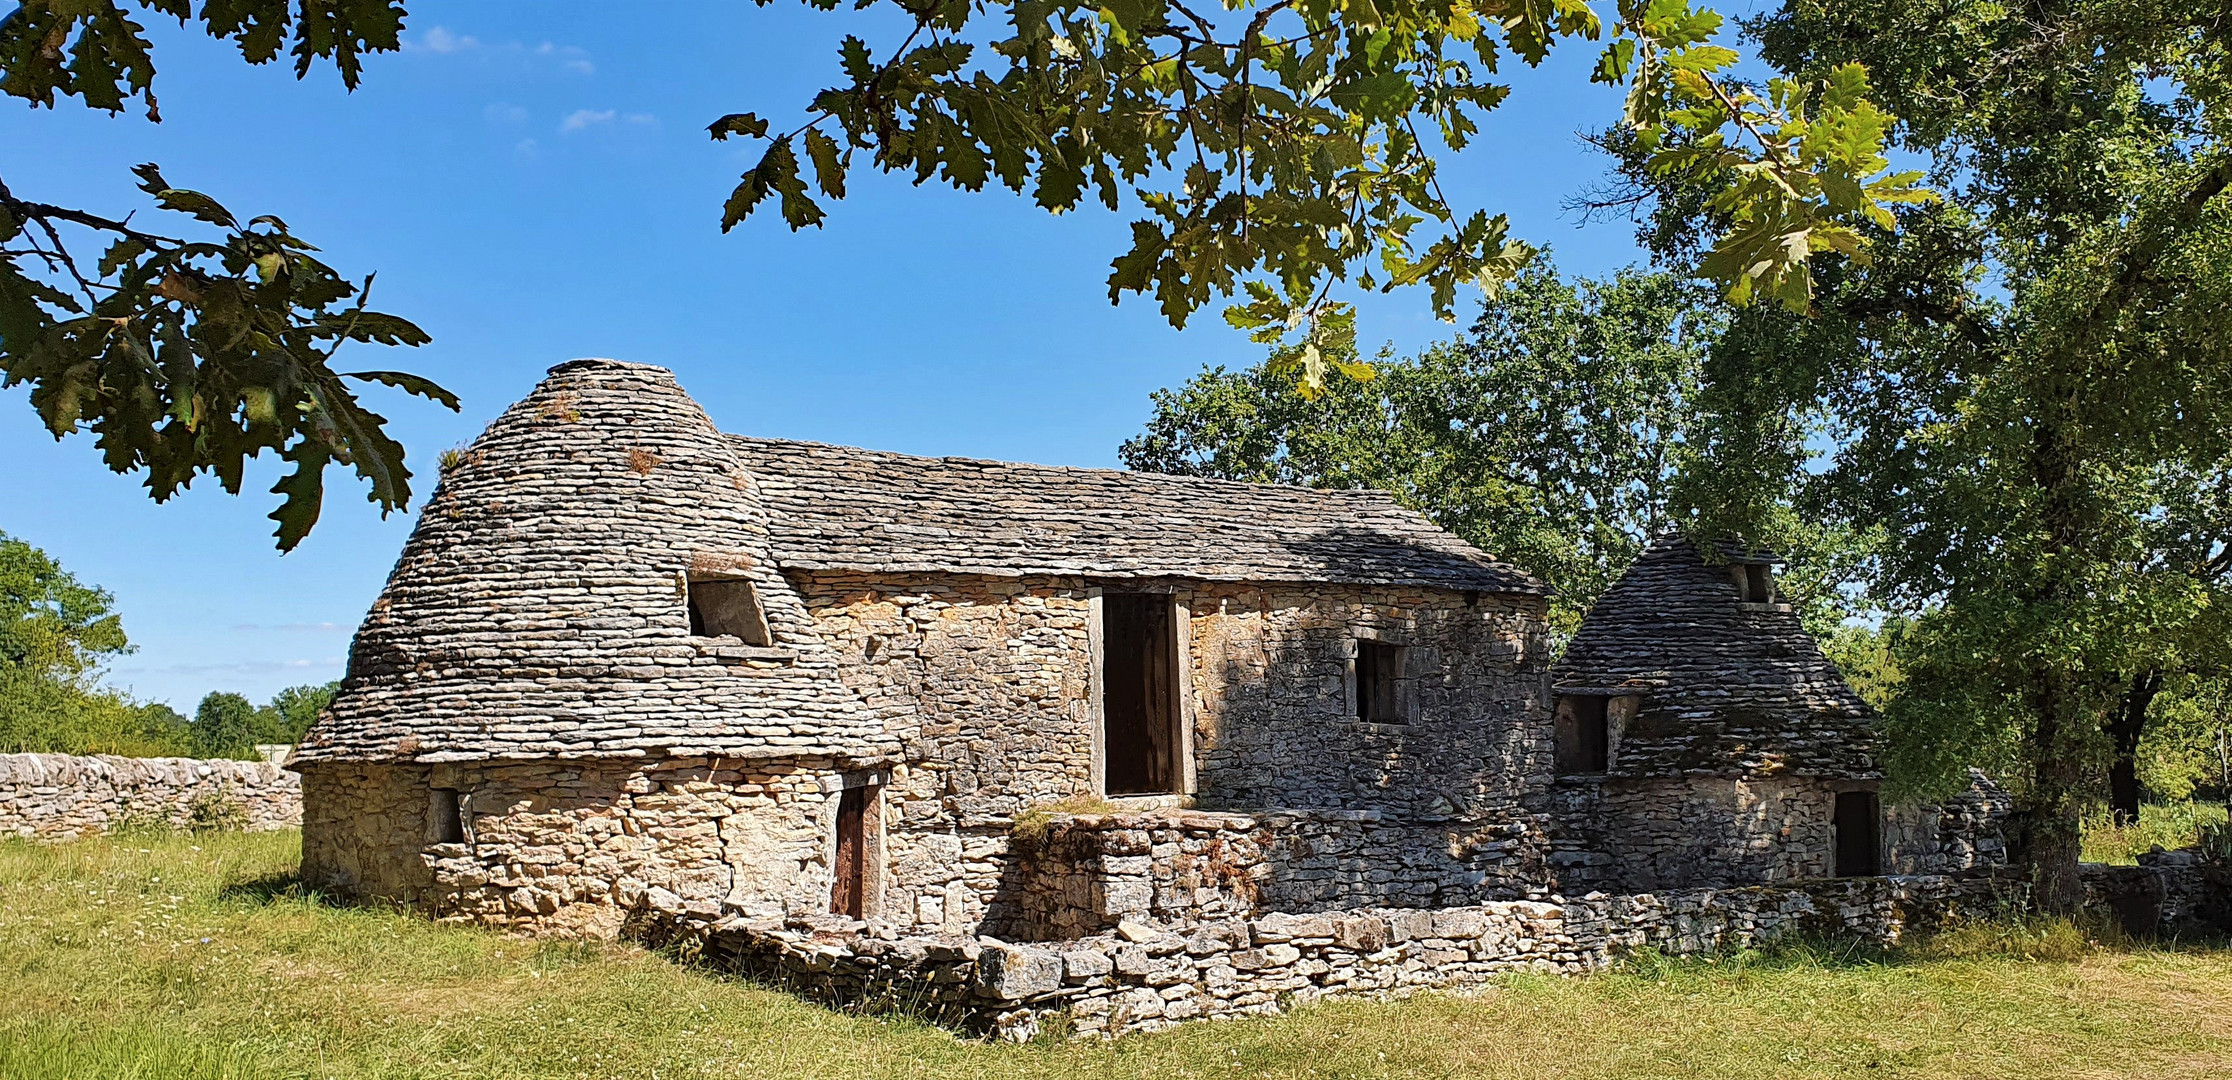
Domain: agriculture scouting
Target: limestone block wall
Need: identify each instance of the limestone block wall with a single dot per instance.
(988, 682)
(1622, 834)
(1275, 717)
(577, 847)
(1143, 978)
(1086, 874)
(63, 797)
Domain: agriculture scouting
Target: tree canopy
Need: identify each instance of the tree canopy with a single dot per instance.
(1272, 151)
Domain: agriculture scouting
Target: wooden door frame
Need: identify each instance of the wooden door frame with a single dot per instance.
(1180, 622)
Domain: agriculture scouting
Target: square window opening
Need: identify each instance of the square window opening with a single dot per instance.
(1583, 735)
(1380, 683)
(727, 607)
(447, 811)
(1760, 578)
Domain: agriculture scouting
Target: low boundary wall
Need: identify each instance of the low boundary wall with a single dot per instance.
(63, 797)
(1141, 977)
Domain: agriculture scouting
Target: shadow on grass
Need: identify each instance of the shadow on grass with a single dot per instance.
(278, 887)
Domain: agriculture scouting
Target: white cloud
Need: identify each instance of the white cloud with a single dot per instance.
(524, 148)
(571, 57)
(643, 118)
(441, 40)
(504, 113)
(582, 118)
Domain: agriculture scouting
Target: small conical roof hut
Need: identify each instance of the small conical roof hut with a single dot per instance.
(540, 609)
(1727, 686)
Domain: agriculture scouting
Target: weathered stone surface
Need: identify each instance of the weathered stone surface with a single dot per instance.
(1013, 972)
(1009, 989)
(62, 797)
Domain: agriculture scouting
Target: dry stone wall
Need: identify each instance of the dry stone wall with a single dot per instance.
(63, 797)
(1142, 977)
(1275, 710)
(1964, 832)
(1086, 874)
(1640, 835)
(578, 847)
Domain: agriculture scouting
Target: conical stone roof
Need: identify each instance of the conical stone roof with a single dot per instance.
(1727, 687)
(538, 609)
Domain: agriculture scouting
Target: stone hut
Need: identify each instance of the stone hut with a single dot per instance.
(628, 666)
(1703, 738)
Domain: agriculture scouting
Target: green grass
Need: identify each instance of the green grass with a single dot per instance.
(2168, 825)
(194, 956)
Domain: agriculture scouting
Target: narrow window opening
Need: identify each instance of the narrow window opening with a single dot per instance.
(857, 820)
(1139, 695)
(1762, 583)
(1859, 828)
(1379, 683)
(727, 608)
(448, 811)
(1583, 737)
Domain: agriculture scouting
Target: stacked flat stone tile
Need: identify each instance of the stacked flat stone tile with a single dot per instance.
(843, 508)
(539, 610)
(1728, 688)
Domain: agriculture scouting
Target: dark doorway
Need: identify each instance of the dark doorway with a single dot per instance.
(850, 894)
(1139, 699)
(1859, 834)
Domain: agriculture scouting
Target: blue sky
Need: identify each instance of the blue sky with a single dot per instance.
(532, 183)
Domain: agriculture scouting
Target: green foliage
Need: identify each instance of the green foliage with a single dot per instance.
(182, 355)
(2026, 937)
(227, 725)
(52, 625)
(55, 634)
(1547, 436)
(298, 707)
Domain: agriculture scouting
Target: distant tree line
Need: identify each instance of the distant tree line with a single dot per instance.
(56, 636)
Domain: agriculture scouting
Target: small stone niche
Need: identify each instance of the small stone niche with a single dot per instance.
(446, 815)
(727, 607)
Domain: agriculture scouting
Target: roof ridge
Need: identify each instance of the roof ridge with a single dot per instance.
(1137, 474)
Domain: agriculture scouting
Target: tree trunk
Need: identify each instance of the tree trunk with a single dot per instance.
(2056, 824)
(2124, 728)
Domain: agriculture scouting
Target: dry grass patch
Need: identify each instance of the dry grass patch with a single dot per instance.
(195, 957)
